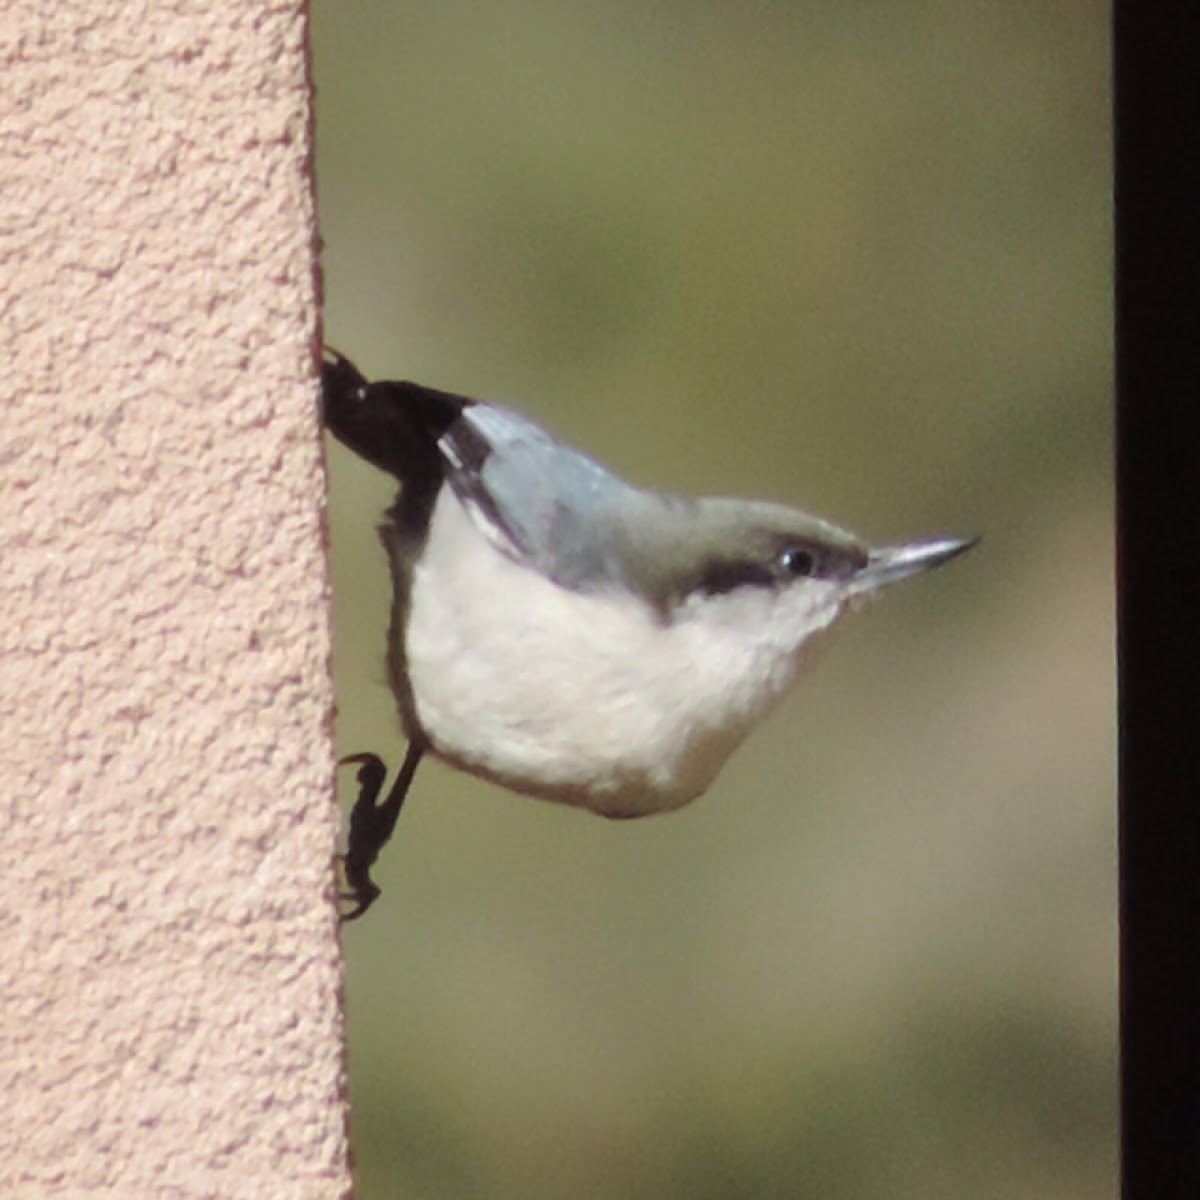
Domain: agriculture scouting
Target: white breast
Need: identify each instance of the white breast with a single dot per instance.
(591, 700)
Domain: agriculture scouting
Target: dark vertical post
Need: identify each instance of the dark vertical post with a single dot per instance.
(1157, 108)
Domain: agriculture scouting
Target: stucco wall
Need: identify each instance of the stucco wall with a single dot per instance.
(169, 1004)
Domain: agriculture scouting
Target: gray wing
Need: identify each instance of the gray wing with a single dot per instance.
(539, 501)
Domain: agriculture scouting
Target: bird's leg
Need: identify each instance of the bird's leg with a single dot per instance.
(372, 823)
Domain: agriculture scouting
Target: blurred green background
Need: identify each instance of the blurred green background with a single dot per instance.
(850, 255)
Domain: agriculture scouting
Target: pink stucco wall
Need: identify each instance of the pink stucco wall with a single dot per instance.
(169, 990)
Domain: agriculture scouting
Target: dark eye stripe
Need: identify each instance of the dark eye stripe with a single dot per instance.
(720, 577)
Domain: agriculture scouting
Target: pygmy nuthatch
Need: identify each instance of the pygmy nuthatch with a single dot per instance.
(566, 634)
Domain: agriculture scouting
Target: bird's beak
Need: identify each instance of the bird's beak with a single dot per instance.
(888, 564)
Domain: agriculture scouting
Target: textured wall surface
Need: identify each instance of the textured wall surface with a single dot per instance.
(169, 1003)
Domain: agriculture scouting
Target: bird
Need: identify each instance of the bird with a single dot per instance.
(566, 634)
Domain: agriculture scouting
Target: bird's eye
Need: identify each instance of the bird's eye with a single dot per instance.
(797, 561)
